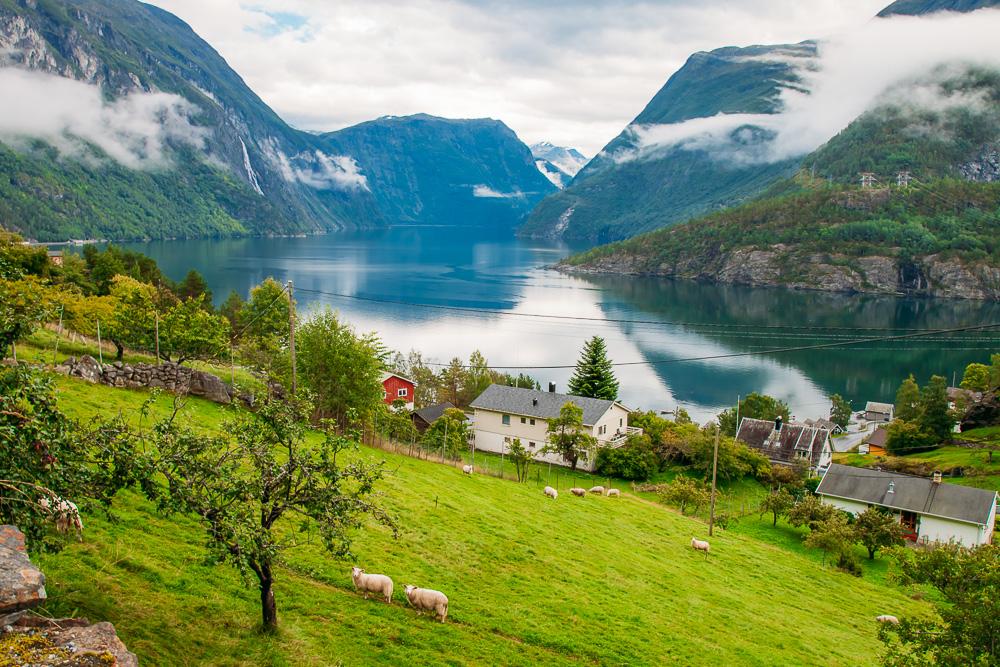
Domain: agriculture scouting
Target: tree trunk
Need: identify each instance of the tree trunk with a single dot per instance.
(120, 350)
(871, 553)
(774, 524)
(268, 607)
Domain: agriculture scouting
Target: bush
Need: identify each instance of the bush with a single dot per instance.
(635, 461)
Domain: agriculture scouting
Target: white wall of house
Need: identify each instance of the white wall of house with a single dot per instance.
(493, 435)
(930, 528)
(852, 506)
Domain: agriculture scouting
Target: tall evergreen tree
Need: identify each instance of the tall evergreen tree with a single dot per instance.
(908, 400)
(594, 376)
(935, 417)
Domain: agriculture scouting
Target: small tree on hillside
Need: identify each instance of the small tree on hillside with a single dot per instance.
(907, 405)
(976, 377)
(835, 536)
(448, 434)
(966, 630)
(685, 493)
(756, 406)
(876, 529)
(24, 306)
(521, 458)
(935, 416)
(261, 471)
(840, 411)
(777, 503)
(190, 330)
(594, 375)
(567, 436)
(811, 512)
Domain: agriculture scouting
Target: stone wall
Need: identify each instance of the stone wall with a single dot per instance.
(171, 377)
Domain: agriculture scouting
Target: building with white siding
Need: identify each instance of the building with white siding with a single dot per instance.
(929, 509)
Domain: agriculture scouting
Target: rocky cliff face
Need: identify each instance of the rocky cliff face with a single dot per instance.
(781, 266)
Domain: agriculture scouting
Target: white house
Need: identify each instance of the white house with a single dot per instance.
(929, 509)
(787, 444)
(503, 413)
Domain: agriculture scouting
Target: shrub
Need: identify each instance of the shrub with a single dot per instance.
(635, 461)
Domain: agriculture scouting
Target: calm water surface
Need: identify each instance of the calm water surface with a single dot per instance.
(477, 268)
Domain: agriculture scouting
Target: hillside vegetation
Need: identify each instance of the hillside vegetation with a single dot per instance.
(936, 240)
(531, 581)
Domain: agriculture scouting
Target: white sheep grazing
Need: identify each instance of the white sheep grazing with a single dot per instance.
(614, 493)
(597, 489)
(372, 583)
(577, 491)
(427, 599)
(550, 492)
(700, 545)
(467, 470)
(67, 515)
(886, 618)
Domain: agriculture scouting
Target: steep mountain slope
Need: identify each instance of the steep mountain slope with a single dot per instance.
(918, 7)
(630, 187)
(558, 164)
(228, 164)
(435, 170)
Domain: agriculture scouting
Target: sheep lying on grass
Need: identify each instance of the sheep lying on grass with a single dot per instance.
(597, 489)
(372, 583)
(886, 618)
(700, 545)
(550, 492)
(614, 493)
(65, 512)
(467, 470)
(427, 599)
(577, 491)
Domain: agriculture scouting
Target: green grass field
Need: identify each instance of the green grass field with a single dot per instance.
(531, 581)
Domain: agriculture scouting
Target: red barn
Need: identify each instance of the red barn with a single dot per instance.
(398, 388)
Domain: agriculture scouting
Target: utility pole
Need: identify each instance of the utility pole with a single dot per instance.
(715, 469)
(903, 179)
(100, 348)
(55, 350)
(291, 330)
(867, 180)
(157, 331)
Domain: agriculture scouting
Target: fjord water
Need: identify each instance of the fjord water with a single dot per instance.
(487, 269)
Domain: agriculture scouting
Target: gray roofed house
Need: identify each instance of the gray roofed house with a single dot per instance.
(535, 403)
(880, 412)
(424, 417)
(929, 509)
(786, 443)
(504, 414)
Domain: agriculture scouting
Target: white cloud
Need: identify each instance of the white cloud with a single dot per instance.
(70, 115)
(573, 73)
(316, 169)
(486, 192)
(900, 61)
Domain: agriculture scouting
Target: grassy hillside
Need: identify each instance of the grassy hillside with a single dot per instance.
(531, 581)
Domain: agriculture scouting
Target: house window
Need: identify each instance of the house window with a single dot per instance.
(621, 423)
(506, 441)
(532, 422)
(401, 392)
(531, 444)
(505, 419)
(523, 420)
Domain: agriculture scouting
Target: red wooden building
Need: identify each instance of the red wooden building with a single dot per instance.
(398, 388)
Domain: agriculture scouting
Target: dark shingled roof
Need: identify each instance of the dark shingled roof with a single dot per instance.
(879, 437)
(759, 434)
(910, 493)
(541, 404)
(432, 413)
(882, 408)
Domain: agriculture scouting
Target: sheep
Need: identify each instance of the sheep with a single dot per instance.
(427, 599)
(577, 491)
(886, 618)
(550, 492)
(372, 583)
(700, 545)
(67, 515)
(597, 489)
(467, 470)
(614, 493)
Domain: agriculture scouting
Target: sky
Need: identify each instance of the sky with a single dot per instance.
(572, 72)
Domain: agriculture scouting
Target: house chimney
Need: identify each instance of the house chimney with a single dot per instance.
(552, 387)
(892, 487)
(777, 423)
(937, 477)
(534, 401)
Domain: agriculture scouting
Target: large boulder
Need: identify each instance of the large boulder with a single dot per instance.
(86, 368)
(209, 386)
(22, 585)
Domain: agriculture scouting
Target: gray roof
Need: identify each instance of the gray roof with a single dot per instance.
(432, 413)
(910, 493)
(534, 403)
(884, 408)
(785, 445)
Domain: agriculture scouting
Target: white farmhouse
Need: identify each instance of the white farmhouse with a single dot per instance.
(503, 413)
(929, 510)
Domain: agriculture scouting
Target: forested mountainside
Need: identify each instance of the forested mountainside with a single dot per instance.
(436, 170)
(121, 123)
(659, 171)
